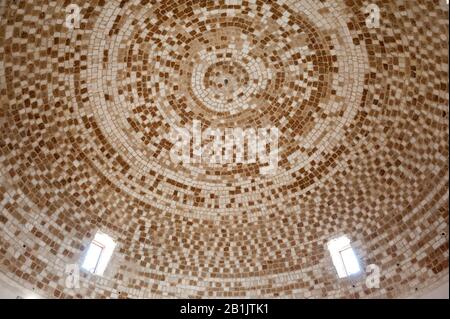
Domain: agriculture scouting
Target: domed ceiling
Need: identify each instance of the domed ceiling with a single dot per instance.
(355, 92)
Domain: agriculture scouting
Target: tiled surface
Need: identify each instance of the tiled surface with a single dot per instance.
(86, 114)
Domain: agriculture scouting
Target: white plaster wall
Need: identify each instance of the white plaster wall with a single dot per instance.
(440, 292)
(9, 290)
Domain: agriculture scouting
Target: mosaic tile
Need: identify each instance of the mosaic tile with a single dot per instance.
(85, 124)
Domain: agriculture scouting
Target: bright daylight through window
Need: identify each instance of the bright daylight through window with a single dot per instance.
(99, 253)
(343, 256)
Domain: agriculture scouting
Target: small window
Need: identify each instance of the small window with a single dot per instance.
(344, 257)
(99, 253)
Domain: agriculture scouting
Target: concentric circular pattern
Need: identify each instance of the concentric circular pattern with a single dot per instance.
(86, 116)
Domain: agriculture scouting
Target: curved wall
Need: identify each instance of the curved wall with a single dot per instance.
(85, 123)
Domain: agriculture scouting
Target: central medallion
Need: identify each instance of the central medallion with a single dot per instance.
(226, 80)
